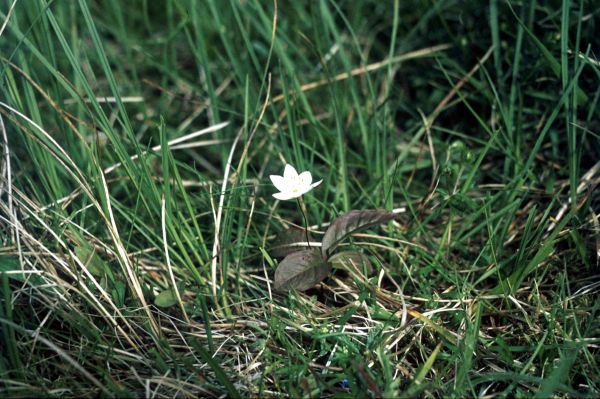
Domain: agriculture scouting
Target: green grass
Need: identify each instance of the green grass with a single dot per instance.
(135, 255)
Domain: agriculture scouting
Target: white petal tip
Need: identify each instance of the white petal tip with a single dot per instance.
(282, 196)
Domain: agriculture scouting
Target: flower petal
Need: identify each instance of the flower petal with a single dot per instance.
(305, 179)
(284, 196)
(279, 182)
(316, 184)
(303, 190)
(289, 172)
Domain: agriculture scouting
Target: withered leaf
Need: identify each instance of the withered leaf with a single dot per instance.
(301, 270)
(289, 241)
(351, 222)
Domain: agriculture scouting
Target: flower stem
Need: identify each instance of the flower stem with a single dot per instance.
(303, 211)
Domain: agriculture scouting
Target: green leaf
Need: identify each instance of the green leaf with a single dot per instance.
(12, 267)
(118, 293)
(301, 270)
(94, 263)
(416, 385)
(468, 347)
(166, 299)
(289, 241)
(351, 222)
(560, 373)
(503, 350)
(352, 260)
(9, 263)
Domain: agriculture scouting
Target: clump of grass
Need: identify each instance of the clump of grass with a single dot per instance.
(138, 222)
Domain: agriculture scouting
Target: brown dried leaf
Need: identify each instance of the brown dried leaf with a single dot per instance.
(351, 222)
(289, 241)
(301, 270)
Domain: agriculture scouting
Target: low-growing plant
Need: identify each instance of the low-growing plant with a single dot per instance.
(302, 269)
(304, 266)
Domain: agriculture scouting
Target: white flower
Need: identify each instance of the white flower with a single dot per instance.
(291, 184)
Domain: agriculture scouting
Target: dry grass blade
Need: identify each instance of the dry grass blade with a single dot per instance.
(124, 260)
(76, 173)
(174, 142)
(168, 259)
(587, 180)
(6, 178)
(39, 247)
(371, 67)
(8, 15)
(62, 354)
(219, 215)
